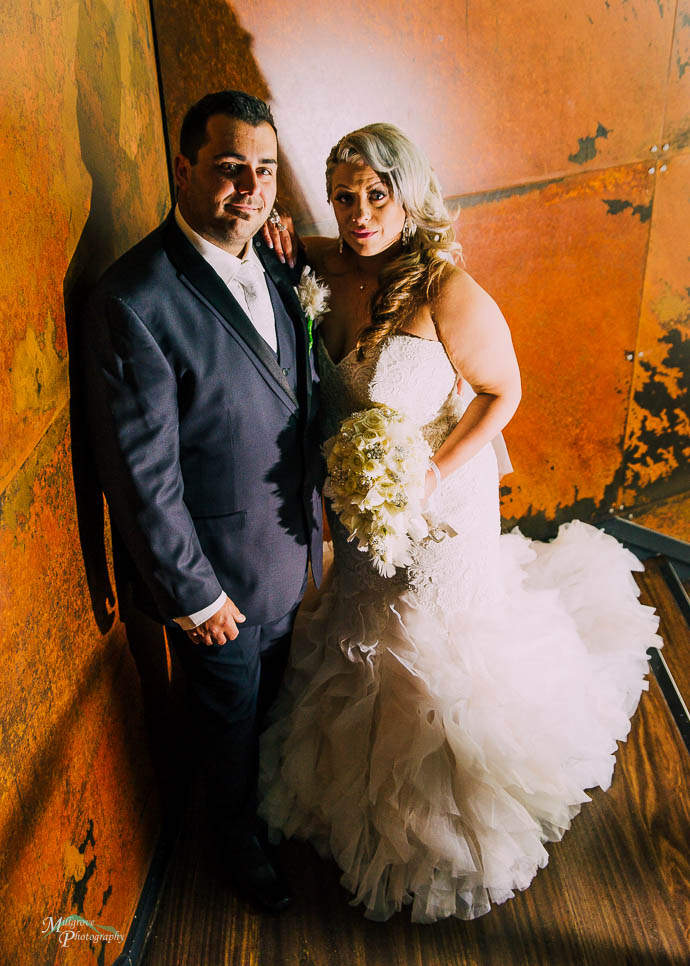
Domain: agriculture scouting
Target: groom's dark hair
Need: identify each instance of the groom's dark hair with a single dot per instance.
(238, 104)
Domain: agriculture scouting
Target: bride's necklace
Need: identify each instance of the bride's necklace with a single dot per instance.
(365, 280)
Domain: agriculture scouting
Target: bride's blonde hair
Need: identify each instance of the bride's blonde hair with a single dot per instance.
(412, 279)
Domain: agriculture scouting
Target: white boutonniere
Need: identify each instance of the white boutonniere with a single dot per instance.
(313, 296)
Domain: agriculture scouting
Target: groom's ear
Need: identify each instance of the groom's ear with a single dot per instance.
(182, 166)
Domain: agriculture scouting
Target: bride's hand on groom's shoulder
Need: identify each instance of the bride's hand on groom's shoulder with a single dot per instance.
(280, 234)
(220, 627)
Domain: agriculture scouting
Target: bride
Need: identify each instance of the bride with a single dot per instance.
(438, 726)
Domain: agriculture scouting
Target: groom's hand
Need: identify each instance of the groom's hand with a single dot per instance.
(219, 628)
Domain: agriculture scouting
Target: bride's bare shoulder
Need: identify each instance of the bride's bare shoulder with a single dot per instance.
(320, 251)
(461, 299)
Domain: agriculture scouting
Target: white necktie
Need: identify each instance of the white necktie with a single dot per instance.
(248, 279)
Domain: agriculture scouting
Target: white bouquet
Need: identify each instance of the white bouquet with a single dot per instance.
(377, 464)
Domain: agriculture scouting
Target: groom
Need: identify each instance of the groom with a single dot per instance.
(202, 403)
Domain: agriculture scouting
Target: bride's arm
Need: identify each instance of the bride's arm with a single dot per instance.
(478, 343)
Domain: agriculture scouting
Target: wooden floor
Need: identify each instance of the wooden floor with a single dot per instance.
(616, 891)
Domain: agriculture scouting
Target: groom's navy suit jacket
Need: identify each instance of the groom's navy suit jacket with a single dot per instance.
(206, 442)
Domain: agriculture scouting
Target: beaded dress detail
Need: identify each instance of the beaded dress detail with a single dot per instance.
(436, 728)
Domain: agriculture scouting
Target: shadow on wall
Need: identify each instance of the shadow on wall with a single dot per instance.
(216, 56)
(98, 123)
(106, 234)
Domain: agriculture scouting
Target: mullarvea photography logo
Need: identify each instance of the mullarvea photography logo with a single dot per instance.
(74, 928)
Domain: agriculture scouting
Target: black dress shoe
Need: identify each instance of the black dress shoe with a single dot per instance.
(255, 876)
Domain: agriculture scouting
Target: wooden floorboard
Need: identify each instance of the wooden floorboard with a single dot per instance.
(616, 891)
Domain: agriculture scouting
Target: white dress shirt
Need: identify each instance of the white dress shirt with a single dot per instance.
(229, 267)
(258, 308)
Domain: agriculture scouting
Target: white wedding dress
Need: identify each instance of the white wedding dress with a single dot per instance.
(436, 728)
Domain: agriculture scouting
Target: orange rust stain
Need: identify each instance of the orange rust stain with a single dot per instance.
(658, 435)
(73, 862)
(565, 262)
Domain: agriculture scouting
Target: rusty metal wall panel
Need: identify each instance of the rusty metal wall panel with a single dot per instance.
(677, 118)
(84, 178)
(671, 516)
(498, 93)
(73, 746)
(518, 103)
(82, 155)
(658, 436)
(565, 261)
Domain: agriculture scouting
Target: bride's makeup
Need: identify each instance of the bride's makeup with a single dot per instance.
(369, 218)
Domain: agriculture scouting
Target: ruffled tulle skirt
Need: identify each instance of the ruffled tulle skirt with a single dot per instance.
(433, 754)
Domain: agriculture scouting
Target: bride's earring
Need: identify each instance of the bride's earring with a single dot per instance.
(405, 237)
(340, 244)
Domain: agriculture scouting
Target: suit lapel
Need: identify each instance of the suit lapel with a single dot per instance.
(292, 305)
(206, 284)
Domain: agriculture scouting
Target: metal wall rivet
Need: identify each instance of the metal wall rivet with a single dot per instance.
(654, 148)
(652, 170)
(666, 147)
(663, 167)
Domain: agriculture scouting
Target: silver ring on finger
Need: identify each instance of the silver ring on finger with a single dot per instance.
(274, 219)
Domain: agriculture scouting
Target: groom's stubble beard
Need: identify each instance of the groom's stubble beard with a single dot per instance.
(237, 225)
(224, 224)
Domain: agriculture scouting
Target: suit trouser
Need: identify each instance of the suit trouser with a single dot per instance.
(231, 687)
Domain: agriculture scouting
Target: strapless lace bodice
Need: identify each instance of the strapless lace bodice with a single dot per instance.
(409, 374)
(415, 377)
